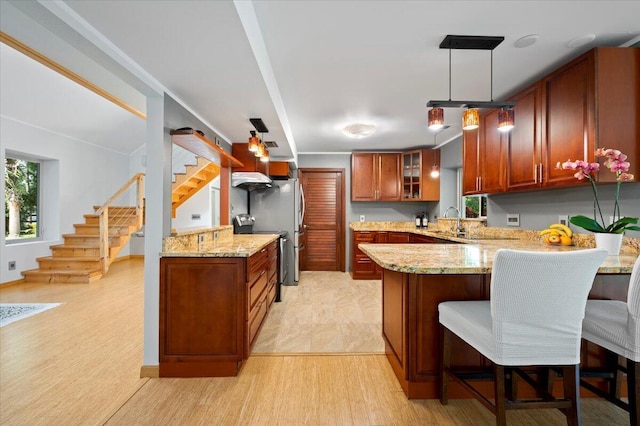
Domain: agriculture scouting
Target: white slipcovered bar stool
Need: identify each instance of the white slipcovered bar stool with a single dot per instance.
(533, 318)
(614, 325)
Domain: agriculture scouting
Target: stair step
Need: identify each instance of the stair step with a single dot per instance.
(61, 276)
(119, 209)
(69, 250)
(89, 240)
(120, 219)
(94, 229)
(48, 263)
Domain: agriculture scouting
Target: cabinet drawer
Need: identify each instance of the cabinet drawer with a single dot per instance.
(256, 264)
(256, 289)
(271, 292)
(256, 318)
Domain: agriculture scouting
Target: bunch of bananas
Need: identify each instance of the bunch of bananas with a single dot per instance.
(557, 234)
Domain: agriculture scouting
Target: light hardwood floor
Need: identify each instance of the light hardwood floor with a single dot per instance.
(79, 364)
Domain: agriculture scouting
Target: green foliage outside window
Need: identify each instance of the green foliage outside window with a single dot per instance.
(21, 198)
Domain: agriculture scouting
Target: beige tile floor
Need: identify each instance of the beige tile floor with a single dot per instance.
(327, 312)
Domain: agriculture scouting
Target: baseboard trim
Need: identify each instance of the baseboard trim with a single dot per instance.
(12, 283)
(128, 257)
(151, 371)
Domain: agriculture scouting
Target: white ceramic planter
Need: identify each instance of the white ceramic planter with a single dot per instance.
(610, 242)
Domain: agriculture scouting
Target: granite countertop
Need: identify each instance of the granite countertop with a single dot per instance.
(470, 258)
(237, 245)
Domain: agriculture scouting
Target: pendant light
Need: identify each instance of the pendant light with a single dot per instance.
(470, 119)
(471, 116)
(506, 120)
(435, 169)
(436, 118)
(254, 141)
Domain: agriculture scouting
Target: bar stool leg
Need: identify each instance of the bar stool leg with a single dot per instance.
(445, 362)
(500, 397)
(633, 386)
(571, 377)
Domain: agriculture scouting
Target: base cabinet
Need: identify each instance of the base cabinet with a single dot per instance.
(410, 329)
(212, 310)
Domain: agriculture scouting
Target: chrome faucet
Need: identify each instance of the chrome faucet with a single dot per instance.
(459, 229)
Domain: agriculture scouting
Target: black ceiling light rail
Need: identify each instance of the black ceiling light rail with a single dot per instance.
(259, 125)
(470, 43)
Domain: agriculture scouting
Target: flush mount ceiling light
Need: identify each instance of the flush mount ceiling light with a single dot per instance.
(471, 119)
(359, 130)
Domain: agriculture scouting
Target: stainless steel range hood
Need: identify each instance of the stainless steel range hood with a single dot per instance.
(250, 180)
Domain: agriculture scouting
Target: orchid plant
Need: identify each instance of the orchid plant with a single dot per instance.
(616, 162)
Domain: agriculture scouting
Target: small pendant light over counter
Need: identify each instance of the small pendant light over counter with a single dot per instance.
(470, 119)
(254, 142)
(436, 118)
(471, 116)
(506, 120)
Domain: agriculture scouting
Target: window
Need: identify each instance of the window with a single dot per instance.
(475, 206)
(22, 199)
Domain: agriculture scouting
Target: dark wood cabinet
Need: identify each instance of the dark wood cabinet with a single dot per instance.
(417, 182)
(363, 268)
(524, 142)
(591, 102)
(211, 311)
(250, 162)
(375, 176)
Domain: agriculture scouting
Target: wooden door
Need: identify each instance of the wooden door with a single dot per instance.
(523, 141)
(491, 158)
(567, 117)
(389, 177)
(324, 219)
(363, 176)
(470, 162)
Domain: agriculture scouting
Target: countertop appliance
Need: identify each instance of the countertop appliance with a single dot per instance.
(281, 207)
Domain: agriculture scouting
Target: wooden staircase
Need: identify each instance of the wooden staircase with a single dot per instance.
(85, 255)
(195, 178)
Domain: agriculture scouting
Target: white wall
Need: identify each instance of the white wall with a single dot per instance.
(87, 175)
(199, 204)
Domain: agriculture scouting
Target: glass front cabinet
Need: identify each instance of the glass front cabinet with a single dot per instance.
(418, 183)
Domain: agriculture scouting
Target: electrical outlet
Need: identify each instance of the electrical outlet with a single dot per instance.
(513, 219)
(12, 265)
(215, 235)
(563, 219)
(201, 238)
(361, 218)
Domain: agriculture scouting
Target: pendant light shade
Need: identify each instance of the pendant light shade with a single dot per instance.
(435, 171)
(254, 141)
(265, 156)
(470, 119)
(436, 118)
(505, 120)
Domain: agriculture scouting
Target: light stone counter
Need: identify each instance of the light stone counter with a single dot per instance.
(234, 245)
(474, 258)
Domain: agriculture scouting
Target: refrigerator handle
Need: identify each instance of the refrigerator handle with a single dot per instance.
(303, 204)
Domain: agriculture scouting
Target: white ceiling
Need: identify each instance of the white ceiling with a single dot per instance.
(308, 68)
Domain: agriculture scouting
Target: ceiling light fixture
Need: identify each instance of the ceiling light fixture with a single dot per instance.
(436, 119)
(254, 141)
(435, 169)
(506, 120)
(526, 41)
(359, 130)
(471, 119)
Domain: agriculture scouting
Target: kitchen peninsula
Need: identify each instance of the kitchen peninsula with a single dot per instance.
(216, 289)
(416, 277)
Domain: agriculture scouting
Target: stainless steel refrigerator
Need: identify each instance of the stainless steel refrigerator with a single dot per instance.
(280, 208)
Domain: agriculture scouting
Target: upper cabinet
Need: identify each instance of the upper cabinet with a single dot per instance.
(417, 182)
(591, 102)
(484, 159)
(250, 162)
(375, 176)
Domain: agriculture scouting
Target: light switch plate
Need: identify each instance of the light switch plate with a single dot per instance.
(513, 219)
